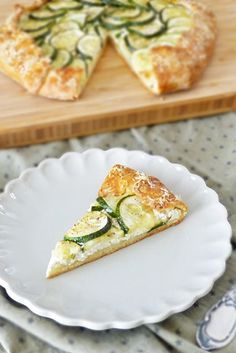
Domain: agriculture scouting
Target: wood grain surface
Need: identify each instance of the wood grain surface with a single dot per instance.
(115, 99)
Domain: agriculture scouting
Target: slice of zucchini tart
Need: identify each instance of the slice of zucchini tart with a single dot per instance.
(130, 207)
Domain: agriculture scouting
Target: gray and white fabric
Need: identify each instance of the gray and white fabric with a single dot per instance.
(208, 148)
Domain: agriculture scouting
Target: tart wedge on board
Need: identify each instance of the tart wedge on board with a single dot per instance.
(130, 207)
(51, 47)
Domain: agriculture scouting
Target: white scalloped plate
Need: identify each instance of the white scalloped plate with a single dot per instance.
(143, 283)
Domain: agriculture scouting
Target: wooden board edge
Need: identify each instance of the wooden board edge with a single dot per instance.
(42, 133)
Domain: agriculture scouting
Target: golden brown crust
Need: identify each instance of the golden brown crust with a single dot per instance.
(122, 180)
(64, 84)
(59, 269)
(179, 67)
(21, 59)
(19, 10)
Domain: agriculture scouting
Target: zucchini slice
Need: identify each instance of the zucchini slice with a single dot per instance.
(96, 208)
(170, 39)
(62, 59)
(173, 12)
(106, 207)
(96, 3)
(29, 25)
(142, 4)
(40, 34)
(113, 214)
(93, 225)
(119, 217)
(65, 26)
(158, 225)
(126, 3)
(119, 3)
(79, 62)
(44, 14)
(128, 44)
(39, 41)
(49, 51)
(77, 17)
(113, 23)
(136, 42)
(135, 215)
(158, 5)
(100, 33)
(64, 5)
(89, 46)
(93, 13)
(122, 225)
(180, 22)
(66, 40)
(126, 14)
(144, 18)
(150, 30)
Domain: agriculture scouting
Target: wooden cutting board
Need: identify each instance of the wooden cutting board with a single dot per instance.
(114, 98)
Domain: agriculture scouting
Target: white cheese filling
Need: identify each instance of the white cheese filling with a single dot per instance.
(67, 255)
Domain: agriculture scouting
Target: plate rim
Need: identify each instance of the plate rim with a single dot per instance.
(118, 324)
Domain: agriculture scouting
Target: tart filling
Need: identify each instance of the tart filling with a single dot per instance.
(104, 226)
(73, 33)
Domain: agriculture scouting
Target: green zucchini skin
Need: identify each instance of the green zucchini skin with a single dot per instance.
(83, 56)
(116, 213)
(95, 18)
(110, 26)
(112, 23)
(62, 59)
(64, 6)
(119, 218)
(91, 3)
(150, 16)
(128, 44)
(84, 239)
(117, 3)
(122, 225)
(125, 14)
(41, 34)
(40, 15)
(157, 226)
(96, 208)
(97, 30)
(85, 59)
(148, 36)
(49, 51)
(106, 207)
(32, 26)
